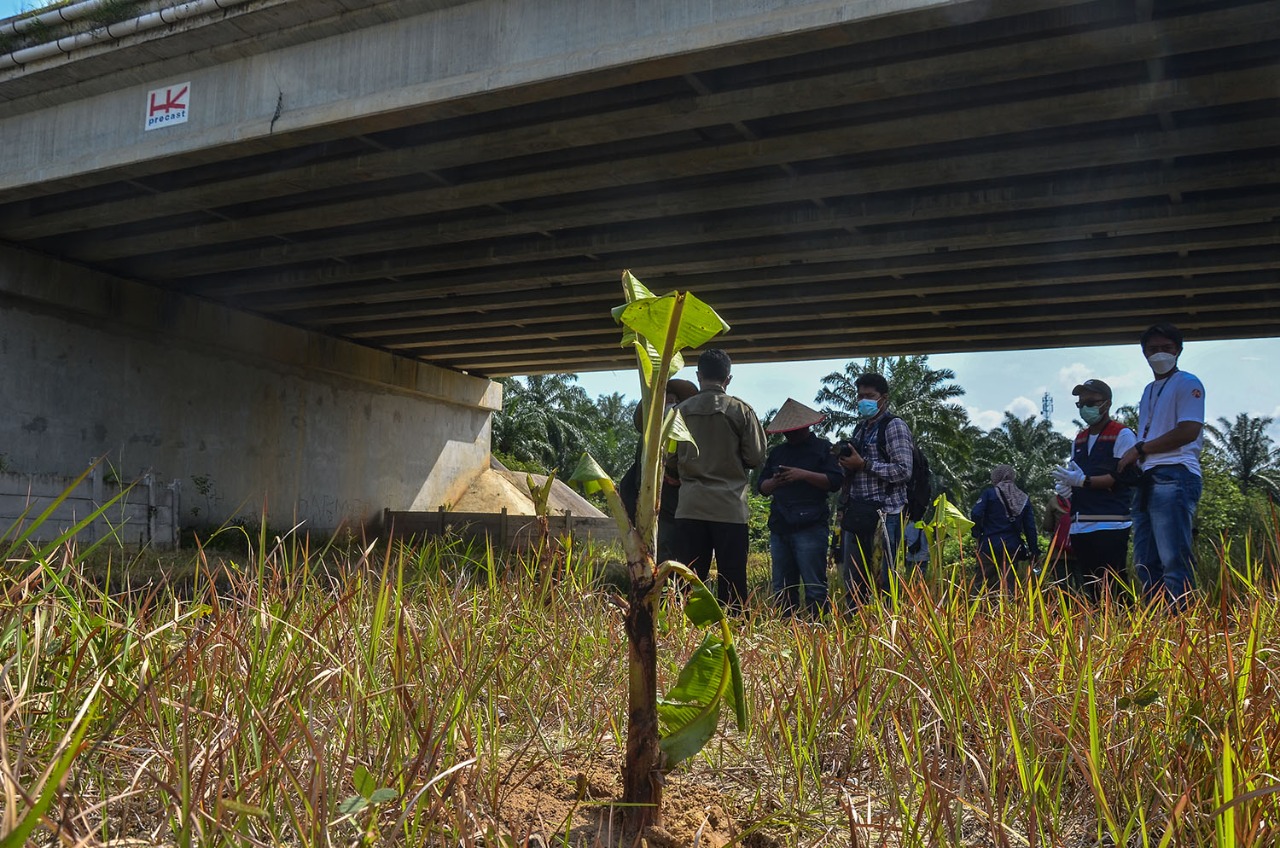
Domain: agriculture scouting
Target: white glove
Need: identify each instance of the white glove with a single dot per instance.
(1072, 475)
(1062, 490)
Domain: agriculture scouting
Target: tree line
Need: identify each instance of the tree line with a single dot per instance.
(548, 420)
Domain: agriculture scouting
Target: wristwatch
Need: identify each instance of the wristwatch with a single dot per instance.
(1088, 484)
(1141, 448)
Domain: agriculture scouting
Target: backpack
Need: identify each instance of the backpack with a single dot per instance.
(920, 486)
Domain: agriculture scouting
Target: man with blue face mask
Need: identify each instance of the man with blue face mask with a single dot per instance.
(1101, 497)
(1170, 436)
(876, 473)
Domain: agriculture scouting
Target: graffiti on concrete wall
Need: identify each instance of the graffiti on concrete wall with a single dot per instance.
(326, 512)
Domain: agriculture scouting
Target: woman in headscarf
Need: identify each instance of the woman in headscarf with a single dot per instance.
(1004, 524)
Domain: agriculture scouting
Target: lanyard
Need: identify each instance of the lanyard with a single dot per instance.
(1151, 413)
(864, 437)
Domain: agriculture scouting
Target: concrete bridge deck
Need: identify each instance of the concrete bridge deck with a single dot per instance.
(461, 182)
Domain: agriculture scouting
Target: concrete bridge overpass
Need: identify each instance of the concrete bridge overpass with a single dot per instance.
(401, 192)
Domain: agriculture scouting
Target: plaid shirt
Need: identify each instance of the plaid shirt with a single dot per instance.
(884, 480)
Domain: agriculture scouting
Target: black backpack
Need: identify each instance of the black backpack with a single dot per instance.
(920, 486)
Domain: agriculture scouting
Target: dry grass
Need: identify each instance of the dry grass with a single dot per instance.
(411, 696)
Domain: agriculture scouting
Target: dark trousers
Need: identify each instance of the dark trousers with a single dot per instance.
(996, 558)
(699, 540)
(668, 539)
(862, 578)
(1097, 562)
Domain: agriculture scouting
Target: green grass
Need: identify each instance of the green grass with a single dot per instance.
(410, 695)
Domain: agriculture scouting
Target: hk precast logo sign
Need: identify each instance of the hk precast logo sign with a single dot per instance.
(168, 106)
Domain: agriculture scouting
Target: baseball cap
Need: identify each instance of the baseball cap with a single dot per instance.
(1095, 386)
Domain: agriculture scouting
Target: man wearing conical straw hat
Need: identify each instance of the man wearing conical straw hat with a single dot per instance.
(799, 474)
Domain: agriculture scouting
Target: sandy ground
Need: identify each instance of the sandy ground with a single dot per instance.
(497, 487)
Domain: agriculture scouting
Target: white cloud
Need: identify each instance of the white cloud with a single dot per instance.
(990, 419)
(1023, 407)
(1074, 374)
(1126, 385)
(987, 419)
(1131, 382)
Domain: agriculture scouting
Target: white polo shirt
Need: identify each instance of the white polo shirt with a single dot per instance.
(1165, 404)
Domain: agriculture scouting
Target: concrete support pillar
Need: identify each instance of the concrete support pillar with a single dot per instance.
(249, 415)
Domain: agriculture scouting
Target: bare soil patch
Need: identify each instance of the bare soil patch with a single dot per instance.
(571, 803)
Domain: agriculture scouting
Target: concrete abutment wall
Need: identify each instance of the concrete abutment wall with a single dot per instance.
(247, 414)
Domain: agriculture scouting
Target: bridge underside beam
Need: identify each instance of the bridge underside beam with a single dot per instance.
(837, 179)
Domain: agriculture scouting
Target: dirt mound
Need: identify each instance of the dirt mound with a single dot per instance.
(497, 487)
(490, 491)
(571, 803)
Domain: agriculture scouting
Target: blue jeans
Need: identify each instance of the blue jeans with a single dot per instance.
(917, 542)
(1163, 511)
(859, 555)
(800, 563)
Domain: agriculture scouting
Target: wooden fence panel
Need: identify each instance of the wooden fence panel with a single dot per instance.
(505, 531)
(143, 515)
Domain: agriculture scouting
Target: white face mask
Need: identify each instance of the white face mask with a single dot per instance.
(1162, 363)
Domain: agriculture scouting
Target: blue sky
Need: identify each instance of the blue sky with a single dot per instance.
(9, 8)
(1239, 376)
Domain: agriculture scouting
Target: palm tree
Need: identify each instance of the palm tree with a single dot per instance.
(612, 435)
(1249, 453)
(923, 397)
(1126, 415)
(1030, 445)
(516, 431)
(544, 419)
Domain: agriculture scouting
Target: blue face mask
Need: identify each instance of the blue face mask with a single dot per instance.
(1090, 414)
(868, 408)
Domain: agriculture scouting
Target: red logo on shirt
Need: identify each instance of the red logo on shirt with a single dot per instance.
(1195, 393)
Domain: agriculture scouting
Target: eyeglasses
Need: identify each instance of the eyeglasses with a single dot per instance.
(1082, 404)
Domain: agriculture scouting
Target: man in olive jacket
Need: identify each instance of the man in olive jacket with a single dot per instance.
(711, 519)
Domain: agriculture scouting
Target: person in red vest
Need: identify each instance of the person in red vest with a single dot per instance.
(1101, 496)
(1057, 523)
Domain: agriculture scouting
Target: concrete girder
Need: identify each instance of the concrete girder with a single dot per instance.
(476, 211)
(1062, 54)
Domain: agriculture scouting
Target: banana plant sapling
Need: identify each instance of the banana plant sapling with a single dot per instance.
(662, 732)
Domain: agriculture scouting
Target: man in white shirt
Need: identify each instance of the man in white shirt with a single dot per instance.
(1170, 436)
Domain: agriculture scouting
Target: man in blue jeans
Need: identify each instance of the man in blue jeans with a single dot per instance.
(1170, 436)
(876, 473)
(799, 474)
